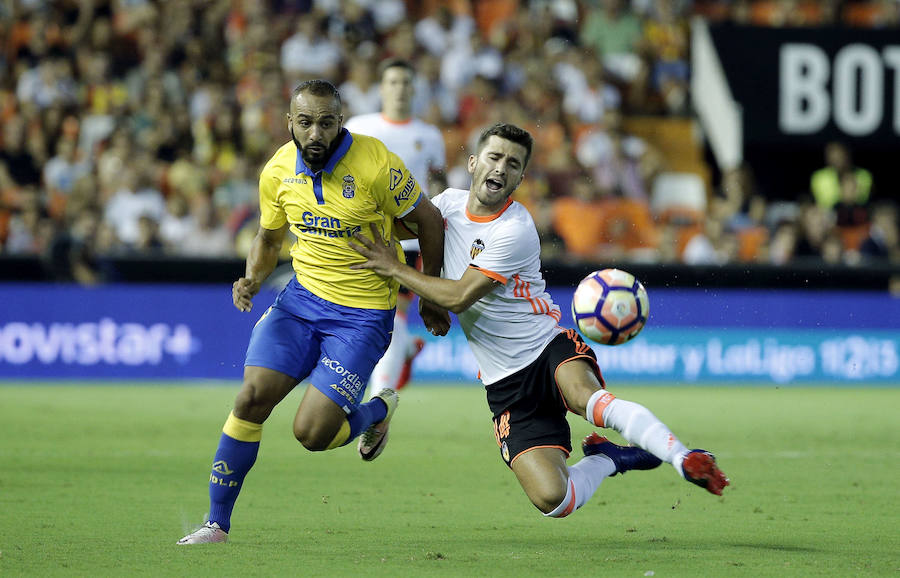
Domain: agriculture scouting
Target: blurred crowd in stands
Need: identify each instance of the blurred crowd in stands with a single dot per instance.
(138, 127)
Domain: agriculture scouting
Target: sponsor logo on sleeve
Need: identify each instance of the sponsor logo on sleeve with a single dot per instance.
(396, 177)
(407, 191)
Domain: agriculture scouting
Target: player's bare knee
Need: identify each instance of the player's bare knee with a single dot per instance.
(251, 403)
(548, 499)
(304, 436)
(311, 438)
(247, 399)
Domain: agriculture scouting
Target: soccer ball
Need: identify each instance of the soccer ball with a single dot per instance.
(610, 306)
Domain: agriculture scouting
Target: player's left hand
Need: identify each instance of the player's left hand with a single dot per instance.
(380, 257)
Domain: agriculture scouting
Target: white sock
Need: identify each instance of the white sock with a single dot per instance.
(387, 371)
(638, 425)
(584, 479)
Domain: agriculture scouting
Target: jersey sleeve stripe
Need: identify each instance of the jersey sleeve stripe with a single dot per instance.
(409, 210)
(539, 305)
(522, 290)
(534, 302)
(495, 276)
(554, 313)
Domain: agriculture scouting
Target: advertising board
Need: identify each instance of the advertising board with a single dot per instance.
(693, 336)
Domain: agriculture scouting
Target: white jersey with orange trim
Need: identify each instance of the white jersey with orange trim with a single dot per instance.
(509, 327)
(418, 144)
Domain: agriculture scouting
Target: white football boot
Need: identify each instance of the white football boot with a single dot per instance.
(372, 441)
(207, 533)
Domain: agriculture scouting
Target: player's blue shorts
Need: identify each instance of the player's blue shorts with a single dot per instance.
(336, 347)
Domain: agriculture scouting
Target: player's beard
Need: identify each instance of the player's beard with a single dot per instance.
(314, 160)
(491, 198)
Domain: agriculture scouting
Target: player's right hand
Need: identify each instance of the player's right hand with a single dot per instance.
(381, 256)
(436, 319)
(242, 293)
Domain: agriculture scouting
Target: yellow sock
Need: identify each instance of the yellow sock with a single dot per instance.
(341, 437)
(241, 429)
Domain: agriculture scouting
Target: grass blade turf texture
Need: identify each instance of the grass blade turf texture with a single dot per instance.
(102, 480)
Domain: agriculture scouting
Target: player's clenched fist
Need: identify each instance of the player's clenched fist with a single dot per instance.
(242, 293)
(436, 319)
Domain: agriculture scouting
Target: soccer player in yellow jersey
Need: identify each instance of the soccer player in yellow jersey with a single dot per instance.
(331, 323)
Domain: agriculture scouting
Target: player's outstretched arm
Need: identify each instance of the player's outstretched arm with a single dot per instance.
(429, 224)
(427, 220)
(456, 296)
(261, 261)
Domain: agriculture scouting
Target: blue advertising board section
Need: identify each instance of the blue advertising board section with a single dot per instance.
(703, 336)
(722, 336)
(123, 331)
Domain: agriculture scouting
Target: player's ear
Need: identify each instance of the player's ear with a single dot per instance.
(473, 160)
(287, 117)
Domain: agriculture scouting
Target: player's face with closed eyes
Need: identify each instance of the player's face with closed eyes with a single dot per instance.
(315, 122)
(496, 171)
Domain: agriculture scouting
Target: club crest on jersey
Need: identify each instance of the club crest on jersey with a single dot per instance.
(477, 248)
(349, 187)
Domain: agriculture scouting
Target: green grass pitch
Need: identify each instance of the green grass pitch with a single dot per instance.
(101, 480)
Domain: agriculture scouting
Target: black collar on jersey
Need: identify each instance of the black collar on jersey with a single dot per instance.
(346, 139)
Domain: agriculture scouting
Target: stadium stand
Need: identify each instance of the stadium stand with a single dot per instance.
(137, 128)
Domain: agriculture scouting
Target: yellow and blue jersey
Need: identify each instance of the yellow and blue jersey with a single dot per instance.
(363, 182)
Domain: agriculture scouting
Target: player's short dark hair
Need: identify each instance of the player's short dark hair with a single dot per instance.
(395, 63)
(508, 132)
(316, 87)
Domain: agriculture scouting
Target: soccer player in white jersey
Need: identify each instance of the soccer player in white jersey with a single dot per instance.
(421, 147)
(534, 371)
